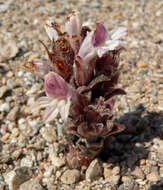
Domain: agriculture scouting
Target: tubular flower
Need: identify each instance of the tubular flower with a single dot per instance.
(80, 81)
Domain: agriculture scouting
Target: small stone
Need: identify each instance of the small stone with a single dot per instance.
(107, 172)
(8, 48)
(153, 176)
(25, 162)
(5, 137)
(49, 134)
(35, 88)
(57, 161)
(13, 113)
(5, 5)
(49, 172)
(11, 83)
(15, 133)
(3, 90)
(95, 4)
(141, 64)
(4, 158)
(138, 173)
(142, 162)
(32, 184)
(4, 67)
(16, 154)
(16, 177)
(70, 176)
(112, 175)
(5, 107)
(9, 74)
(161, 171)
(94, 170)
(116, 170)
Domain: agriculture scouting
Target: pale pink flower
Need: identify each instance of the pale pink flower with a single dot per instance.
(96, 44)
(57, 99)
(112, 40)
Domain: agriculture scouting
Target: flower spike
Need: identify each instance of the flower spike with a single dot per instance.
(80, 84)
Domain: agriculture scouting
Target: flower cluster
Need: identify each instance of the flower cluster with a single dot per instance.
(80, 78)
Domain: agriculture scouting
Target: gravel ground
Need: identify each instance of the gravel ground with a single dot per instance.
(31, 155)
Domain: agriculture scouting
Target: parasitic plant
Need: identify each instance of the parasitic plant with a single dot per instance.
(80, 81)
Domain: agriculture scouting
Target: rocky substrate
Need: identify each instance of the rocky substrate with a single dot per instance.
(31, 153)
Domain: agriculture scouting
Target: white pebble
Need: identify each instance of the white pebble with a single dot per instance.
(26, 162)
(20, 73)
(5, 107)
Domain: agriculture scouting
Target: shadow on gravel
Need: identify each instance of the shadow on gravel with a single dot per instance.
(158, 186)
(131, 146)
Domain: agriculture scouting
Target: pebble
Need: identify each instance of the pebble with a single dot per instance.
(13, 113)
(10, 74)
(57, 161)
(16, 177)
(141, 64)
(11, 83)
(49, 171)
(70, 176)
(138, 173)
(95, 4)
(5, 107)
(34, 125)
(94, 170)
(111, 175)
(4, 67)
(32, 184)
(3, 90)
(128, 183)
(161, 171)
(15, 133)
(49, 133)
(154, 175)
(5, 5)
(26, 162)
(8, 48)
(34, 89)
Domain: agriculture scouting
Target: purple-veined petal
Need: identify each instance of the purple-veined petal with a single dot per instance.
(73, 24)
(47, 101)
(118, 33)
(64, 109)
(51, 113)
(84, 64)
(51, 31)
(87, 51)
(54, 107)
(99, 35)
(109, 46)
(56, 86)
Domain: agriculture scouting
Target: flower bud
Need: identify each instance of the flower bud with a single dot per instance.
(73, 24)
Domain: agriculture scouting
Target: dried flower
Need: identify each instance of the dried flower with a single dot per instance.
(80, 84)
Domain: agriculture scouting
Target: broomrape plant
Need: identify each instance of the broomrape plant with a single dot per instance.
(80, 84)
